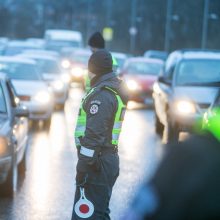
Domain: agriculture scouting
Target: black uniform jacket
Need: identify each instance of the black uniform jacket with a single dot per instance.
(101, 108)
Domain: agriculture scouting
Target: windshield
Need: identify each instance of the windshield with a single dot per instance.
(79, 58)
(2, 101)
(120, 61)
(20, 71)
(48, 66)
(58, 44)
(198, 72)
(143, 68)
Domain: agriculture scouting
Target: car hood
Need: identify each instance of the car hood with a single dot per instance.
(26, 87)
(146, 81)
(50, 76)
(200, 95)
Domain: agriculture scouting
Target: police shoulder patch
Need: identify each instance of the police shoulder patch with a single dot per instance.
(94, 109)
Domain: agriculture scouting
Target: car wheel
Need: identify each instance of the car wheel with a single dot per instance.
(159, 127)
(47, 123)
(22, 166)
(60, 107)
(10, 185)
(172, 132)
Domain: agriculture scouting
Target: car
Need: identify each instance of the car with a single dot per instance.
(32, 91)
(56, 39)
(17, 46)
(13, 137)
(79, 64)
(121, 58)
(51, 72)
(158, 54)
(139, 74)
(185, 89)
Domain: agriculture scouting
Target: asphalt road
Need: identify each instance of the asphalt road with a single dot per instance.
(47, 191)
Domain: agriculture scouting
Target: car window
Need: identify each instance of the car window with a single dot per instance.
(3, 108)
(143, 68)
(198, 71)
(12, 94)
(19, 71)
(80, 58)
(48, 66)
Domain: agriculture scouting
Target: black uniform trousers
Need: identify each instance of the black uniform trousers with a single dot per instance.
(98, 187)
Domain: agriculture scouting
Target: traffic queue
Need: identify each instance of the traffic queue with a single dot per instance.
(36, 75)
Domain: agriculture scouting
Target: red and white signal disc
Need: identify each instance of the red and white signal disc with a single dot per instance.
(84, 208)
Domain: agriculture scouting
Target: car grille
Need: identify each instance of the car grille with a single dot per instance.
(204, 105)
(24, 98)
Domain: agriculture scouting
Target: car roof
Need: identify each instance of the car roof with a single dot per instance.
(44, 52)
(17, 59)
(119, 55)
(57, 34)
(145, 59)
(37, 56)
(22, 43)
(199, 54)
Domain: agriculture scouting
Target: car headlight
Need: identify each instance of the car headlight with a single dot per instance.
(132, 85)
(66, 77)
(185, 107)
(77, 72)
(58, 85)
(42, 97)
(65, 63)
(3, 146)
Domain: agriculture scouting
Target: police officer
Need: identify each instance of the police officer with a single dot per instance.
(186, 184)
(96, 42)
(96, 136)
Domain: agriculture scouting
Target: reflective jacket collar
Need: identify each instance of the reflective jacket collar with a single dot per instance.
(97, 80)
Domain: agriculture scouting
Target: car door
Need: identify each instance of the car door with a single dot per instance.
(20, 124)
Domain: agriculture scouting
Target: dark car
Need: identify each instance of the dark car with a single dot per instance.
(13, 137)
(139, 74)
(185, 90)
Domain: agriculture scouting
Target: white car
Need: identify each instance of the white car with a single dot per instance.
(187, 86)
(57, 39)
(32, 91)
(52, 73)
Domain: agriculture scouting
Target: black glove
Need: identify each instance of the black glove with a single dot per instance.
(96, 166)
(81, 178)
(90, 162)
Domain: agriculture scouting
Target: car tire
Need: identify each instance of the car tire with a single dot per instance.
(47, 123)
(10, 185)
(22, 166)
(159, 127)
(172, 132)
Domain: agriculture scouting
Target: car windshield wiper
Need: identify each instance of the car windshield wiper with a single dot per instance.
(216, 83)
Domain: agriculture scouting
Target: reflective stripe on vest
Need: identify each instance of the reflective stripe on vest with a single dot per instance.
(81, 120)
(119, 116)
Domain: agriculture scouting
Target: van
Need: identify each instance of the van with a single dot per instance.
(57, 39)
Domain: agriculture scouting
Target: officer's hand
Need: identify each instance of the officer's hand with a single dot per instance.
(81, 178)
(96, 166)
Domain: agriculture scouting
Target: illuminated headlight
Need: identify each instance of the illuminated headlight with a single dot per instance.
(185, 107)
(132, 85)
(42, 97)
(65, 64)
(58, 85)
(66, 77)
(77, 72)
(3, 146)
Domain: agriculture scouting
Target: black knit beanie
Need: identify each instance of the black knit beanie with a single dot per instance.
(100, 62)
(97, 41)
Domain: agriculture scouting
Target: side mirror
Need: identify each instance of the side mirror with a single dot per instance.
(21, 111)
(164, 80)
